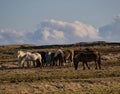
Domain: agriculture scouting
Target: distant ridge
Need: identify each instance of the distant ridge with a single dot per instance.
(80, 44)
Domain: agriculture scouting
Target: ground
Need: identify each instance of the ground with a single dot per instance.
(62, 80)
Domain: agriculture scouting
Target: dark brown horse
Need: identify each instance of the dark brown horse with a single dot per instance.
(87, 55)
(60, 59)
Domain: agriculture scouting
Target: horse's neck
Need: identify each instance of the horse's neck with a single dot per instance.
(59, 52)
(21, 54)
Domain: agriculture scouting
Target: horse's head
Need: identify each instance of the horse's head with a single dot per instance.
(20, 53)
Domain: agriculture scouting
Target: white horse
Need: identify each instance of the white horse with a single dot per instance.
(27, 56)
(20, 55)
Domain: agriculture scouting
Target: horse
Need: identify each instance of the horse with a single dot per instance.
(52, 61)
(35, 57)
(59, 57)
(27, 56)
(48, 58)
(87, 55)
(20, 55)
(68, 56)
(43, 54)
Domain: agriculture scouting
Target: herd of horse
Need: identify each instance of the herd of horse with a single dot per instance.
(60, 58)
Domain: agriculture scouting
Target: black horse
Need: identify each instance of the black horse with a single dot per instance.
(43, 53)
(87, 55)
(59, 58)
(49, 58)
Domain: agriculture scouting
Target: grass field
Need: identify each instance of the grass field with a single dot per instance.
(60, 80)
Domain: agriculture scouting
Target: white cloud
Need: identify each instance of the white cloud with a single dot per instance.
(111, 32)
(84, 30)
(66, 32)
(52, 32)
(60, 32)
(46, 34)
(11, 36)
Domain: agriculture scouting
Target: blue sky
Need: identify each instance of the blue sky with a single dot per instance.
(27, 15)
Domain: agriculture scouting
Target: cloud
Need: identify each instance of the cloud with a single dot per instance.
(55, 31)
(83, 30)
(11, 36)
(51, 32)
(61, 32)
(111, 31)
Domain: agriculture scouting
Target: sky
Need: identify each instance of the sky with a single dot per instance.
(45, 22)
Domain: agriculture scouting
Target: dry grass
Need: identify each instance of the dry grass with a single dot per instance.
(59, 80)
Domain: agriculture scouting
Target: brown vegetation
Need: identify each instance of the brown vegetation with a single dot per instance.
(61, 80)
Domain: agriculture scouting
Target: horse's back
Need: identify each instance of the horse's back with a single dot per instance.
(87, 54)
(38, 55)
(87, 57)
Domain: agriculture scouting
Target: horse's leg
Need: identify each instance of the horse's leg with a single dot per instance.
(51, 62)
(60, 62)
(28, 63)
(22, 61)
(99, 62)
(96, 65)
(83, 65)
(71, 62)
(87, 65)
(99, 65)
(19, 62)
(39, 62)
(76, 65)
(54, 63)
(33, 63)
(22, 64)
(64, 61)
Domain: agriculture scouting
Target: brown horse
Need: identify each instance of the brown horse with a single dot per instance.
(87, 55)
(68, 56)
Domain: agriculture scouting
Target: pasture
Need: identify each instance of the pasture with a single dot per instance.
(60, 79)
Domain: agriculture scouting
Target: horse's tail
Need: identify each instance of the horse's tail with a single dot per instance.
(99, 61)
